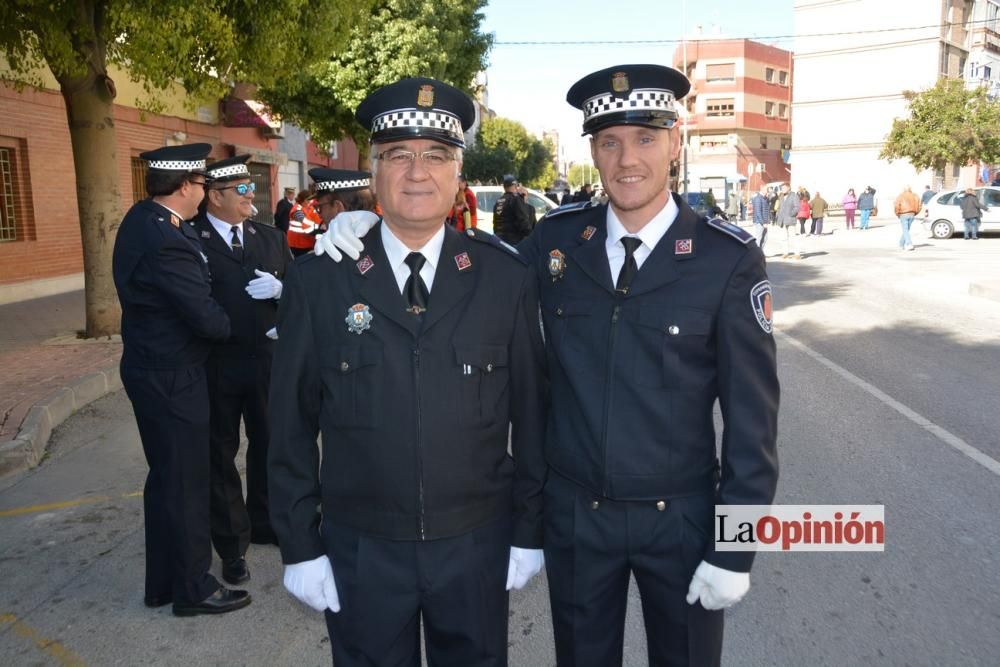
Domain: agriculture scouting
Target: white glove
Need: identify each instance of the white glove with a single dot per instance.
(311, 582)
(272, 333)
(717, 588)
(524, 564)
(264, 287)
(346, 232)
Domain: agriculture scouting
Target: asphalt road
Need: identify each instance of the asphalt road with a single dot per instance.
(889, 396)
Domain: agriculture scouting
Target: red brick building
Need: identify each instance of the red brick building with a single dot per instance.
(40, 247)
(738, 113)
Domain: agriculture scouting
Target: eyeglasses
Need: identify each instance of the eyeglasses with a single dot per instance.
(400, 157)
(242, 189)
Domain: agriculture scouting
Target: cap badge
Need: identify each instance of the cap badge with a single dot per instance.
(365, 264)
(683, 247)
(463, 262)
(619, 82)
(557, 264)
(588, 232)
(425, 96)
(359, 318)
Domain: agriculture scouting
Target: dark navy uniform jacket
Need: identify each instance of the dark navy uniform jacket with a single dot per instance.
(414, 415)
(168, 315)
(634, 378)
(264, 248)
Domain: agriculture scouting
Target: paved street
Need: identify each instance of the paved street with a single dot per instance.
(889, 393)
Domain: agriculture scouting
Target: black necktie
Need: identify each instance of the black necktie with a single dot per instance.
(415, 289)
(629, 268)
(237, 246)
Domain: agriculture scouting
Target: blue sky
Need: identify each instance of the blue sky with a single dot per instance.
(529, 82)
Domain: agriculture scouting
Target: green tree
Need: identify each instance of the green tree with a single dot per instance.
(948, 124)
(502, 147)
(581, 173)
(204, 46)
(440, 39)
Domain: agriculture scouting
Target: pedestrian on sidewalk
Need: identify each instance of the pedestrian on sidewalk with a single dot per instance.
(866, 204)
(759, 211)
(972, 212)
(906, 206)
(818, 208)
(169, 321)
(247, 262)
(788, 209)
(804, 213)
(850, 204)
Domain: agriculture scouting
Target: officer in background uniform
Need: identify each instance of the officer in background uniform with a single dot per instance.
(651, 314)
(248, 261)
(418, 514)
(511, 214)
(169, 322)
(339, 190)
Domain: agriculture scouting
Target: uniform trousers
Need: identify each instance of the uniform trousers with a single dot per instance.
(171, 411)
(238, 389)
(593, 544)
(456, 586)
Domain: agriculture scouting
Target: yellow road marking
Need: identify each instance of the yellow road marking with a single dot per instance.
(32, 509)
(54, 649)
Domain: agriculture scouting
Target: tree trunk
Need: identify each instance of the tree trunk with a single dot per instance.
(90, 111)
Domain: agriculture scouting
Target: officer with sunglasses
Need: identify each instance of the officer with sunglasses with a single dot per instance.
(247, 260)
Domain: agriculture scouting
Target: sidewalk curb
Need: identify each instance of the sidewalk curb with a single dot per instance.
(28, 446)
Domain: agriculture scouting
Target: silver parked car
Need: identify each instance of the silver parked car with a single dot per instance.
(487, 196)
(943, 215)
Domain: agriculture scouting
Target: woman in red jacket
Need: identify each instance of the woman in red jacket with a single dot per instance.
(805, 212)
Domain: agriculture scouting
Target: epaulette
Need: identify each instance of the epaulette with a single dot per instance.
(726, 227)
(569, 208)
(489, 239)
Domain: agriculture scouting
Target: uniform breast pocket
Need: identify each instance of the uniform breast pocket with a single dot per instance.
(674, 348)
(484, 382)
(567, 325)
(350, 383)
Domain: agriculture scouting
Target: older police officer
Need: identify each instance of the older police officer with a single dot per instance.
(651, 314)
(169, 321)
(424, 517)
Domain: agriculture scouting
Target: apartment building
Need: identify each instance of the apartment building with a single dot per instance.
(853, 61)
(738, 114)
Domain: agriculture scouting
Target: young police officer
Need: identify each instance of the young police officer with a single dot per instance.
(169, 321)
(423, 516)
(651, 315)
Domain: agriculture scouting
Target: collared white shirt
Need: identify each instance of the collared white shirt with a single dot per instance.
(650, 235)
(225, 229)
(396, 252)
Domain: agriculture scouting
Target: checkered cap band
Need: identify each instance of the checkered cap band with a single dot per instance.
(434, 120)
(637, 100)
(177, 165)
(231, 170)
(344, 185)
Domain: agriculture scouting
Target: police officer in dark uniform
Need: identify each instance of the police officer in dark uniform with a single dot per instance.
(424, 516)
(247, 260)
(511, 214)
(169, 322)
(340, 190)
(651, 315)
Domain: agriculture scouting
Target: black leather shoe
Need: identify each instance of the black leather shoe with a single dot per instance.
(235, 571)
(219, 602)
(158, 600)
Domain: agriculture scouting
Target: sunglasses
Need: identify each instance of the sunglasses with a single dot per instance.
(242, 189)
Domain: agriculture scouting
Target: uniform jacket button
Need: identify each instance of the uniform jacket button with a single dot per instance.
(660, 506)
(594, 505)
(559, 312)
(673, 329)
(489, 368)
(344, 366)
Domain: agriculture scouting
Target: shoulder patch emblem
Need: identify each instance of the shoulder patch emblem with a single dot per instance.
(463, 262)
(365, 264)
(735, 231)
(683, 247)
(763, 309)
(588, 232)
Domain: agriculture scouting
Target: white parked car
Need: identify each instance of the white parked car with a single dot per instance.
(943, 215)
(487, 196)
